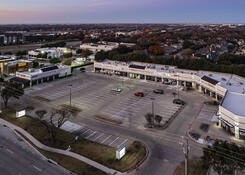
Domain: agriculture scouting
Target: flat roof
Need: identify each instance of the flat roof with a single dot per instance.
(227, 81)
(234, 102)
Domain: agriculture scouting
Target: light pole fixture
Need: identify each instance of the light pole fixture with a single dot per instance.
(152, 109)
(70, 85)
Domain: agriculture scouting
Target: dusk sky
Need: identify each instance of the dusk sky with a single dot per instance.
(122, 11)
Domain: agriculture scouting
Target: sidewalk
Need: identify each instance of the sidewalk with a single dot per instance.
(67, 153)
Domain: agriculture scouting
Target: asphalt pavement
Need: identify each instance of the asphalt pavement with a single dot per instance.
(18, 158)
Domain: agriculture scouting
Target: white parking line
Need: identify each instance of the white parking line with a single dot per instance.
(36, 168)
(85, 131)
(10, 151)
(123, 142)
(98, 137)
(91, 135)
(113, 141)
(106, 139)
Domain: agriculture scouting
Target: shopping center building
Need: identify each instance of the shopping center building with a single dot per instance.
(39, 76)
(226, 88)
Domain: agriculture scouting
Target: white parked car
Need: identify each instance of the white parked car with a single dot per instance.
(117, 89)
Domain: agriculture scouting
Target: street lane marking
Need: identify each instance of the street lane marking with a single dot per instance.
(113, 141)
(106, 139)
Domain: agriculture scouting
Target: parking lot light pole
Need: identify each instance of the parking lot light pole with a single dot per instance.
(152, 109)
(70, 92)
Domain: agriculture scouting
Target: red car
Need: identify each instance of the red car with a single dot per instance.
(139, 94)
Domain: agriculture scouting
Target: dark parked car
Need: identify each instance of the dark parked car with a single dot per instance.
(178, 101)
(158, 91)
(82, 69)
(139, 94)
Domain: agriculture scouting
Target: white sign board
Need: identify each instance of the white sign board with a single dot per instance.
(20, 113)
(120, 152)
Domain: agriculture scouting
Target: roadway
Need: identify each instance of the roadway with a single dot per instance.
(18, 158)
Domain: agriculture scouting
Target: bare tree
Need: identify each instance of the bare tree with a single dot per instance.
(49, 124)
(150, 119)
(62, 116)
(158, 119)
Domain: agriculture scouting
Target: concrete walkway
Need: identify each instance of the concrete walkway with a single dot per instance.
(64, 152)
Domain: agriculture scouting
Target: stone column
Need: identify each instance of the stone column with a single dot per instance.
(237, 132)
(216, 97)
(200, 88)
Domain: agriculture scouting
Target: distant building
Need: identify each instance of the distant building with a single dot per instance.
(13, 38)
(98, 47)
(9, 64)
(48, 53)
(1, 40)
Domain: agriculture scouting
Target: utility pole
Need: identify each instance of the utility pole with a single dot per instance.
(186, 150)
(178, 86)
(70, 93)
(152, 109)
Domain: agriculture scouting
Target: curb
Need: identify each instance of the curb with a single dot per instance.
(142, 161)
(39, 153)
(175, 171)
(190, 125)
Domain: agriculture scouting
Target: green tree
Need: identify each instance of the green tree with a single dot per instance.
(101, 56)
(21, 53)
(35, 64)
(10, 90)
(67, 55)
(54, 60)
(225, 158)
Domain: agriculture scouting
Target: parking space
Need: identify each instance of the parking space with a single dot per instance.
(94, 100)
(95, 135)
(94, 95)
(54, 91)
(207, 113)
(131, 109)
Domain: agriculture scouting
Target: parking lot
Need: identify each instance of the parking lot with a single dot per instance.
(94, 95)
(96, 136)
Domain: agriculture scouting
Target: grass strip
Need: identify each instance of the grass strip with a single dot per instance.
(69, 163)
(106, 119)
(102, 154)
